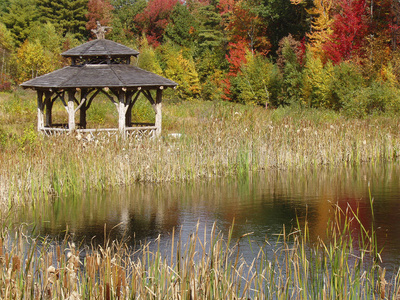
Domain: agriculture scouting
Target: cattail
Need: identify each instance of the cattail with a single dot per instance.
(16, 263)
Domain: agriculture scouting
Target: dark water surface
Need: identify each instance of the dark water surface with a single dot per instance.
(262, 203)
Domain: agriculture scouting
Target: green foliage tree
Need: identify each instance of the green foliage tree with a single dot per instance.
(283, 18)
(258, 83)
(148, 59)
(51, 41)
(318, 83)
(124, 13)
(6, 48)
(209, 30)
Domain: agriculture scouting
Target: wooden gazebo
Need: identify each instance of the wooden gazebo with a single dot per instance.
(98, 66)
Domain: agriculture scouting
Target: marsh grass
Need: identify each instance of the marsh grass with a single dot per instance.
(216, 139)
(209, 265)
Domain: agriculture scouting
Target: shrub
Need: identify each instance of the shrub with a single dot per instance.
(379, 97)
(347, 81)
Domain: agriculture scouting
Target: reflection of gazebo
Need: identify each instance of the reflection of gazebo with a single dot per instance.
(98, 66)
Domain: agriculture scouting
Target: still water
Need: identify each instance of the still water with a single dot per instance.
(261, 204)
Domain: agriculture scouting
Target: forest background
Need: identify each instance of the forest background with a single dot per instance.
(334, 54)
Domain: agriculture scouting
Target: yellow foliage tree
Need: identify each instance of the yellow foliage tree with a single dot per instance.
(183, 71)
(33, 60)
(320, 26)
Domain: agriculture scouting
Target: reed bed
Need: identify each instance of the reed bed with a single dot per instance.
(345, 265)
(214, 139)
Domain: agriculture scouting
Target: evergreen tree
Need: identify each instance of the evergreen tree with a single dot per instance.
(180, 29)
(4, 4)
(66, 15)
(284, 18)
(20, 18)
(210, 32)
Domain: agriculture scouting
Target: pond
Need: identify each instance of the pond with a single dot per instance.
(260, 204)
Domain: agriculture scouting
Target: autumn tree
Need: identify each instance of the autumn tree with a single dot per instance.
(321, 26)
(243, 23)
(350, 27)
(179, 66)
(32, 60)
(101, 11)
(154, 19)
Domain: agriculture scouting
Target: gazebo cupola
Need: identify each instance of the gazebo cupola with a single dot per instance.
(99, 66)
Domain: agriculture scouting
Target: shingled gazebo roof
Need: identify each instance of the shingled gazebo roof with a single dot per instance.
(100, 48)
(98, 76)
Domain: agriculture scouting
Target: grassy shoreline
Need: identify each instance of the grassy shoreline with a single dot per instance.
(217, 139)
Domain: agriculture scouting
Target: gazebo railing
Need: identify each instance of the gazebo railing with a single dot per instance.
(137, 131)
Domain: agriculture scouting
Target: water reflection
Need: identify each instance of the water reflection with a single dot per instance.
(261, 203)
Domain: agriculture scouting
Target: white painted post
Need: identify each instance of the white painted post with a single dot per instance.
(71, 110)
(40, 120)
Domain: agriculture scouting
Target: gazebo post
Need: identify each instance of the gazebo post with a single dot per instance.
(157, 110)
(71, 110)
(121, 112)
(49, 107)
(83, 109)
(40, 123)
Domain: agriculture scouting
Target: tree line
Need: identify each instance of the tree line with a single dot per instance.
(334, 54)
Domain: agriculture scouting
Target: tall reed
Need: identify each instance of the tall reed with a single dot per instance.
(345, 265)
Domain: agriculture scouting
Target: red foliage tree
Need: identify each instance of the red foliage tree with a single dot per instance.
(350, 27)
(154, 19)
(99, 10)
(236, 58)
